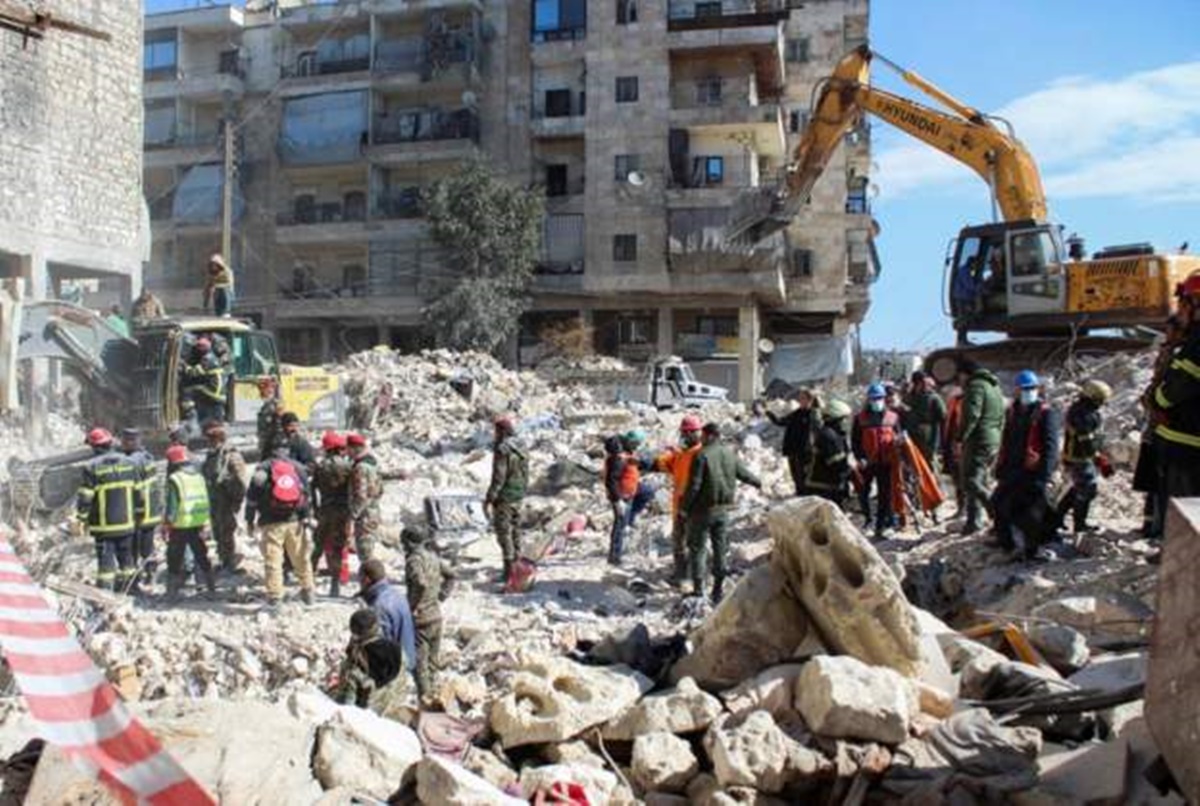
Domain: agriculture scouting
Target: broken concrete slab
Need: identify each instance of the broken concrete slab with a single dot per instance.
(1063, 647)
(751, 751)
(361, 749)
(662, 762)
(843, 697)
(683, 709)
(1113, 672)
(772, 690)
(444, 782)
(554, 699)
(601, 786)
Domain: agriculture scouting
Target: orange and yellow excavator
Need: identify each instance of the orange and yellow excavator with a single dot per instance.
(1013, 276)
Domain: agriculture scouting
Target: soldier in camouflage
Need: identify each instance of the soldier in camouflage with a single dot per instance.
(331, 480)
(427, 578)
(370, 674)
(225, 473)
(270, 425)
(510, 476)
(366, 491)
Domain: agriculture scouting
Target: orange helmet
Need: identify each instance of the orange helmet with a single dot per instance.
(356, 440)
(99, 438)
(332, 441)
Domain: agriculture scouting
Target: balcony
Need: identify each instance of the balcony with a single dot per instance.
(743, 28)
(199, 84)
(694, 15)
(450, 60)
(424, 135)
(307, 74)
(731, 116)
(559, 114)
(398, 204)
(182, 149)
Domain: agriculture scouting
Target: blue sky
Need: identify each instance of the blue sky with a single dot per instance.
(1105, 93)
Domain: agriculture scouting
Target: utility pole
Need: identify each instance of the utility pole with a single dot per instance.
(227, 194)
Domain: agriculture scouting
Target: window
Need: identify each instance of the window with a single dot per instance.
(635, 330)
(705, 10)
(624, 248)
(626, 12)
(856, 196)
(556, 180)
(354, 278)
(797, 50)
(802, 263)
(304, 209)
(558, 103)
(323, 128)
(627, 89)
(797, 120)
(160, 54)
(624, 165)
(555, 20)
(354, 206)
(254, 354)
(159, 122)
(714, 170)
(708, 92)
(719, 326)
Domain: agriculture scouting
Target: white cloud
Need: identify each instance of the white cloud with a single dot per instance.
(1136, 136)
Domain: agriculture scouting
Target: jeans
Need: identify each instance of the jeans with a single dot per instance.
(222, 300)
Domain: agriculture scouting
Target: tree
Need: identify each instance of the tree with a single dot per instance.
(490, 231)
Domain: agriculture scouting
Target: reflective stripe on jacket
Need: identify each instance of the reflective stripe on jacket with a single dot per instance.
(188, 506)
(110, 496)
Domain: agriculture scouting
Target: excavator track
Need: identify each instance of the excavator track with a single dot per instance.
(1039, 353)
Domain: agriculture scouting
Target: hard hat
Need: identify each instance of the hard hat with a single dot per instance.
(203, 345)
(1027, 379)
(876, 391)
(130, 434)
(99, 438)
(332, 441)
(634, 437)
(505, 424)
(355, 439)
(1189, 288)
(837, 410)
(1098, 391)
(690, 424)
(177, 454)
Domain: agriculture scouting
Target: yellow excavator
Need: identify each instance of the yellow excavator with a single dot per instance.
(1013, 276)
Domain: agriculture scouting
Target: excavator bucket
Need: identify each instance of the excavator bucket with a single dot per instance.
(81, 339)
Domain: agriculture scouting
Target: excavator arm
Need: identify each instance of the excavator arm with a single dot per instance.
(964, 133)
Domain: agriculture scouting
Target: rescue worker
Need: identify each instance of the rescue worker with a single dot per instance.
(277, 502)
(613, 473)
(331, 483)
(923, 416)
(510, 477)
(146, 308)
(116, 320)
(873, 437)
(204, 382)
(218, 287)
(799, 430)
(677, 462)
(270, 428)
(390, 606)
(631, 443)
(427, 578)
(829, 469)
(952, 447)
(370, 674)
(366, 493)
(1147, 474)
(1175, 412)
(716, 470)
(297, 444)
(186, 522)
(224, 471)
(1029, 452)
(1082, 445)
(107, 504)
(982, 422)
(152, 498)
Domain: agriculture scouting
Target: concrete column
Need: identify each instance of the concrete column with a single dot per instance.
(383, 333)
(326, 342)
(666, 332)
(33, 267)
(748, 335)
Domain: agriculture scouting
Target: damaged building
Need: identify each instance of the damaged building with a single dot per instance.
(642, 122)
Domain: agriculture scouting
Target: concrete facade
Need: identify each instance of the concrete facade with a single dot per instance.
(70, 159)
(571, 97)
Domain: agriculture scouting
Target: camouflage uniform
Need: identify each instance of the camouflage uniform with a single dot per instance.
(331, 479)
(357, 687)
(225, 473)
(366, 490)
(510, 476)
(427, 579)
(270, 429)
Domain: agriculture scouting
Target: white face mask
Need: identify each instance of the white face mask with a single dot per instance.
(1029, 396)
(875, 405)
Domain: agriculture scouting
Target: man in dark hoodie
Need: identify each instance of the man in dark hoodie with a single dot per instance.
(982, 421)
(799, 432)
(371, 673)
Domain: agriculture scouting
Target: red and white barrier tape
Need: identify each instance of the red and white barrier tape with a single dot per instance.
(74, 705)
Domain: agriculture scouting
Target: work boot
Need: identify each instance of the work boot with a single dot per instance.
(335, 588)
(1080, 518)
(210, 580)
(174, 586)
(718, 590)
(306, 596)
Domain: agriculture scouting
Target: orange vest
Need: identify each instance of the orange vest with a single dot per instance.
(877, 440)
(630, 478)
(1033, 439)
(678, 462)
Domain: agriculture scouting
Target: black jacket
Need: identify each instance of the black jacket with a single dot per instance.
(258, 496)
(798, 429)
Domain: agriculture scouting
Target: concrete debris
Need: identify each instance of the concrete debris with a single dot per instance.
(663, 762)
(444, 782)
(771, 690)
(753, 751)
(599, 785)
(1063, 648)
(683, 709)
(358, 749)
(842, 697)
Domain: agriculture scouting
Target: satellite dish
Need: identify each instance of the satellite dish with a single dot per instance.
(468, 98)
(766, 346)
(636, 178)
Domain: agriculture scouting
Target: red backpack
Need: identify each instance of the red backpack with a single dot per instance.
(287, 491)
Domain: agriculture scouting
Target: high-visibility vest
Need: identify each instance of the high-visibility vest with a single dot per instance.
(191, 493)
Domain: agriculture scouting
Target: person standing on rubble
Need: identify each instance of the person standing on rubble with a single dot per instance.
(186, 522)
(1029, 453)
(107, 505)
(427, 579)
(366, 496)
(224, 471)
(1082, 446)
(278, 502)
(829, 470)
(1175, 403)
(331, 482)
(370, 674)
(678, 463)
(799, 431)
(952, 447)
(923, 416)
(982, 422)
(613, 474)
(147, 308)
(299, 450)
(218, 287)
(716, 470)
(391, 608)
(150, 516)
(269, 427)
(873, 438)
(510, 477)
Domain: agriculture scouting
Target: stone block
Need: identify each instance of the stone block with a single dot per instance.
(362, 749)
(771, 690)
(751, 751)
(447, 784)
(844, 698)
(683, 709)
(663, 762)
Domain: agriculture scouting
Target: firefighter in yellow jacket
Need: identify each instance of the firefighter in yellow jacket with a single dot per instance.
(108, 504)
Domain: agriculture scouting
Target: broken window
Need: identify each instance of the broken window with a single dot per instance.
(624, 165)
(354, 206)
(626, 12)
(635, 330)
(627, 89)
(624, 248)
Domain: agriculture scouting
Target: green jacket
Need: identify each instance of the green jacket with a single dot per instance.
(983, 411)
(715, 474)
(427, 580)
(923, 417)
(510, 474)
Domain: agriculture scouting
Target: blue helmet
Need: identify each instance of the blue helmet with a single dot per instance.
(876, 392)
(1027, 379)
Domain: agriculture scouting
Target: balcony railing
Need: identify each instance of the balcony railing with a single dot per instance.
(185, 140)
(690, 15)
(417, 55)
(400, 203)
(573, 34)
(306, 67)
(549, 109)
(415, 127)
(326, 213)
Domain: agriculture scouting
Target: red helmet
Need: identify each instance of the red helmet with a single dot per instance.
(504, 424)
(177, 454)
(356, 440)
(690, 423)
(203, 345)
(1189, 288)
(332, 441)
(99, 438)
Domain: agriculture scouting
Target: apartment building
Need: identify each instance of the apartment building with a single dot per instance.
(640, 121)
